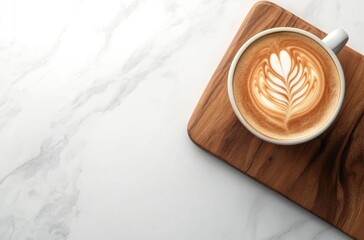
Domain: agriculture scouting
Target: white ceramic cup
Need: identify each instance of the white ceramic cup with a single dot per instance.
(332, 43)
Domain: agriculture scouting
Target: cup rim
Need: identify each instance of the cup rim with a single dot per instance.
(235, 107)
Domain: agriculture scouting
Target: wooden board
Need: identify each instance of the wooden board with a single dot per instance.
(325, 175)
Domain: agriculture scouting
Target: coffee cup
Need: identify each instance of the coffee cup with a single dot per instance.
(286, 85)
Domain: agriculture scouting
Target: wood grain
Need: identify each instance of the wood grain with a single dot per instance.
(325, 175)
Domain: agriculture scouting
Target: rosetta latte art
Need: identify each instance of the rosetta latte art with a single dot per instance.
(287, 84)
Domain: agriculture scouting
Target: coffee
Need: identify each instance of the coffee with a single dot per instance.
(286, 86)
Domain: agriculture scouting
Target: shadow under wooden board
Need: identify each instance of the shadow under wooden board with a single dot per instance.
(324, 176)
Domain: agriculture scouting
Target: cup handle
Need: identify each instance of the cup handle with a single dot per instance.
(336, 40)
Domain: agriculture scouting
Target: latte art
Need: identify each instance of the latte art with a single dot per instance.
(286, 85)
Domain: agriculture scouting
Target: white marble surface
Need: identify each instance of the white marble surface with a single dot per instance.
(95, 97)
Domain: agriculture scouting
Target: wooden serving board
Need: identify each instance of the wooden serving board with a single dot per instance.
(325, 175)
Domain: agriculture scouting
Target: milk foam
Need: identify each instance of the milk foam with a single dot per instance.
(286, 86)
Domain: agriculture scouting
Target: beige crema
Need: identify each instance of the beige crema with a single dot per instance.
(286, 86)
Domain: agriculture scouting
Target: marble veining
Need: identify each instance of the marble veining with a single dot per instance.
(94, 101)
